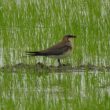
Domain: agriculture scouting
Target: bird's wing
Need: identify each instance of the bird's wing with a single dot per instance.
(57, 49)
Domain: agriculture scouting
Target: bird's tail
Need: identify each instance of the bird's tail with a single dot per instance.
(35, 54)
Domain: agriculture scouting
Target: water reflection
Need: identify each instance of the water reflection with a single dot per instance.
(1, 57)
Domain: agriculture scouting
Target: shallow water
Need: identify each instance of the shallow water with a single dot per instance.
(28, 87)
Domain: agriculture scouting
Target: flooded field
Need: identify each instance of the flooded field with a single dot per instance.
(30, 90)
(37, 83)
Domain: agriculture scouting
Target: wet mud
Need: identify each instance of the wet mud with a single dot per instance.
(39, 67)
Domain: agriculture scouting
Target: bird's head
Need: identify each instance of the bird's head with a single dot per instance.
(68, 37)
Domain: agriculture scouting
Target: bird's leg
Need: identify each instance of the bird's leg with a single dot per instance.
(59, 62)
(62, 64)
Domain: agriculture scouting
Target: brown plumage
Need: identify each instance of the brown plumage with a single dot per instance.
(60, 50)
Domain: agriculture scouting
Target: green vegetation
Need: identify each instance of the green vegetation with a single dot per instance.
(83, 91)
(24, 24)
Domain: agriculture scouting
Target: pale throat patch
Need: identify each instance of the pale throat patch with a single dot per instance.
(72, 41)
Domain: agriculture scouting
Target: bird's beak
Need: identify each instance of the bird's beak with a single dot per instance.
(74, 36)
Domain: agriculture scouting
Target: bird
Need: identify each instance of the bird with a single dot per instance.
(60, 50)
